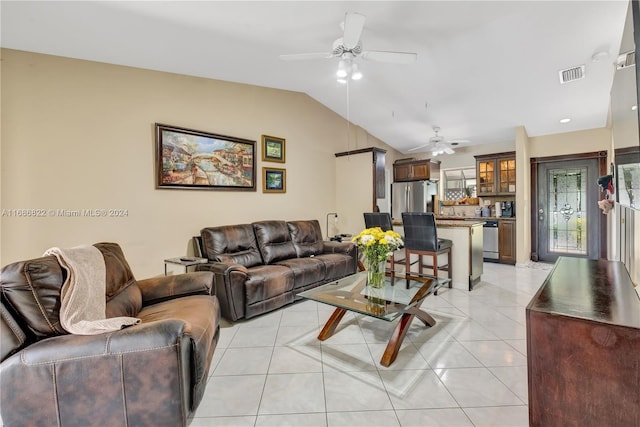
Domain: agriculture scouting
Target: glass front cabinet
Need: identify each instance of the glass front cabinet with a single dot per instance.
(496, 174)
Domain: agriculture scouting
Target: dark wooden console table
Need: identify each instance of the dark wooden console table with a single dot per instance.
(583, 346)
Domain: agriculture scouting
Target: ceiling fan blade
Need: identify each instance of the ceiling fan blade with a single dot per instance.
(395, 57)
(353, 25)
(448, 150)
(418, 147)
(306, 56)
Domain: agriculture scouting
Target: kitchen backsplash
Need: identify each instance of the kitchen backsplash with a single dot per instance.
(472, 210)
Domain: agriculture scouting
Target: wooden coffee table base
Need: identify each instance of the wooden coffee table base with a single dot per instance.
(393, 347)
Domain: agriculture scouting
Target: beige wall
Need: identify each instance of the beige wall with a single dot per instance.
(571, 142)
(80, 135)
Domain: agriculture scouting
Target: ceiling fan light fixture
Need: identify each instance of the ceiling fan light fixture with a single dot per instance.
(342, 70)
(356, 74)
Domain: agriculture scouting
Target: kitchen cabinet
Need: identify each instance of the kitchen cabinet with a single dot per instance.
(496, 174)
(415, 170)
(507, 241)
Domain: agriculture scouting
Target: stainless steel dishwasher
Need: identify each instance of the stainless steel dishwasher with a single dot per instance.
(490, 241)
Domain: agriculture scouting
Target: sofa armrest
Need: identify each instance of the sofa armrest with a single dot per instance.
(158, 289)
(103, 379)
(143, 337)
(228, 283)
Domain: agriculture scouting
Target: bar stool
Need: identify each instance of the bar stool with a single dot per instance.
(421, 238)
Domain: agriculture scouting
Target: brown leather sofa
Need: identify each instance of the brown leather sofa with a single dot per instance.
(150, 374)
(261, 266)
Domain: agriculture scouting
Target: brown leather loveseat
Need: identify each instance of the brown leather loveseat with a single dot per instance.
(261, 266)
(150, 374)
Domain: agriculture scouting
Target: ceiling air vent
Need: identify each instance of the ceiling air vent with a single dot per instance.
(625, 60)
(571, 74)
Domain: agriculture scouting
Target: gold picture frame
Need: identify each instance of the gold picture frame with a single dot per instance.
(273, 149)
(192, 159)
(274, 180)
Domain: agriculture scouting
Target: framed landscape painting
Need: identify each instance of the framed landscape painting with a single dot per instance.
(200, 160)
(274, 180)
(273, 149)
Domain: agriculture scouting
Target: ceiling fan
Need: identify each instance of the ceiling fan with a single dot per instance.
(438, 145)
(348, 47)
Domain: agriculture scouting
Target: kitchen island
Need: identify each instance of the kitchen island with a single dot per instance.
(466, 250)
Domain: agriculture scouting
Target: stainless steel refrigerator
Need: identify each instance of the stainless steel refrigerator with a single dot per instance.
(415, 196)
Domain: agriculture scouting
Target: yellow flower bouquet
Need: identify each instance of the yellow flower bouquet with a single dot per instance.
(376, 246)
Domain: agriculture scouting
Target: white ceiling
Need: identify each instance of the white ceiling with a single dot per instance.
(483, 68)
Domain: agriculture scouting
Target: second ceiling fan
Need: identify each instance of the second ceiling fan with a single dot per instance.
(437, 144)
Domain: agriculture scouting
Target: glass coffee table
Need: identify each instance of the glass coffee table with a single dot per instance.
(401, 296)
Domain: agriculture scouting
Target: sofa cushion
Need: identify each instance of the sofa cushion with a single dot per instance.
(123, 294)
(32, 289)
(231, 244)
(306, 271)
(274, 241)
(336, 265)
(267, 281)
(306, 237)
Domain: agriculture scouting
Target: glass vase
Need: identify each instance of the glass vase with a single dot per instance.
(375, 273)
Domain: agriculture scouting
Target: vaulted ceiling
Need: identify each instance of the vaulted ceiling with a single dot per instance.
(483, 67)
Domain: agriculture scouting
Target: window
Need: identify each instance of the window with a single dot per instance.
(457, 182)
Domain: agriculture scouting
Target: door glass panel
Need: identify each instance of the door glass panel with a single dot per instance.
(567, 208)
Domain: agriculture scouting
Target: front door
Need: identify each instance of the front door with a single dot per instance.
(568, 223)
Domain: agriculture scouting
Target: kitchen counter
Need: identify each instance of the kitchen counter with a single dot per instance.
(450, 222)
(466, 250)
(477, 218)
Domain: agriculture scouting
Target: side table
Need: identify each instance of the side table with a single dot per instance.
(184, 261)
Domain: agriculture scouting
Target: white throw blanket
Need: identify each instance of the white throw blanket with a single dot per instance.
(83, 302)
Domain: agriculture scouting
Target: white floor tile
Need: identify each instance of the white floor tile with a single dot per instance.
(347, 357)
(296, 359)
(244, 361)
(515, 378)
(408, 357)
(472, 387)
(495, 353)
(355, 391)
(293, 420)
(231, 396)
(417, 389)
(447, 417)
(447, 354)
(362, 419)
(292, 394)
(504, 416)
(254, 337)
(223, 421)
(467, 370)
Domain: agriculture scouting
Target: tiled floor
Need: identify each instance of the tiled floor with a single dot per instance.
(467, 370)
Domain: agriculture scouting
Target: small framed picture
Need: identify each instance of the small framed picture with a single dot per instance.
(274, 180)
(273, 149)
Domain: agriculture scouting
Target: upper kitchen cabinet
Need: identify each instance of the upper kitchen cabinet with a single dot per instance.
(416, 170)
(496, 174)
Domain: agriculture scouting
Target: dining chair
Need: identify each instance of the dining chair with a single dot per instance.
(421, 238)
